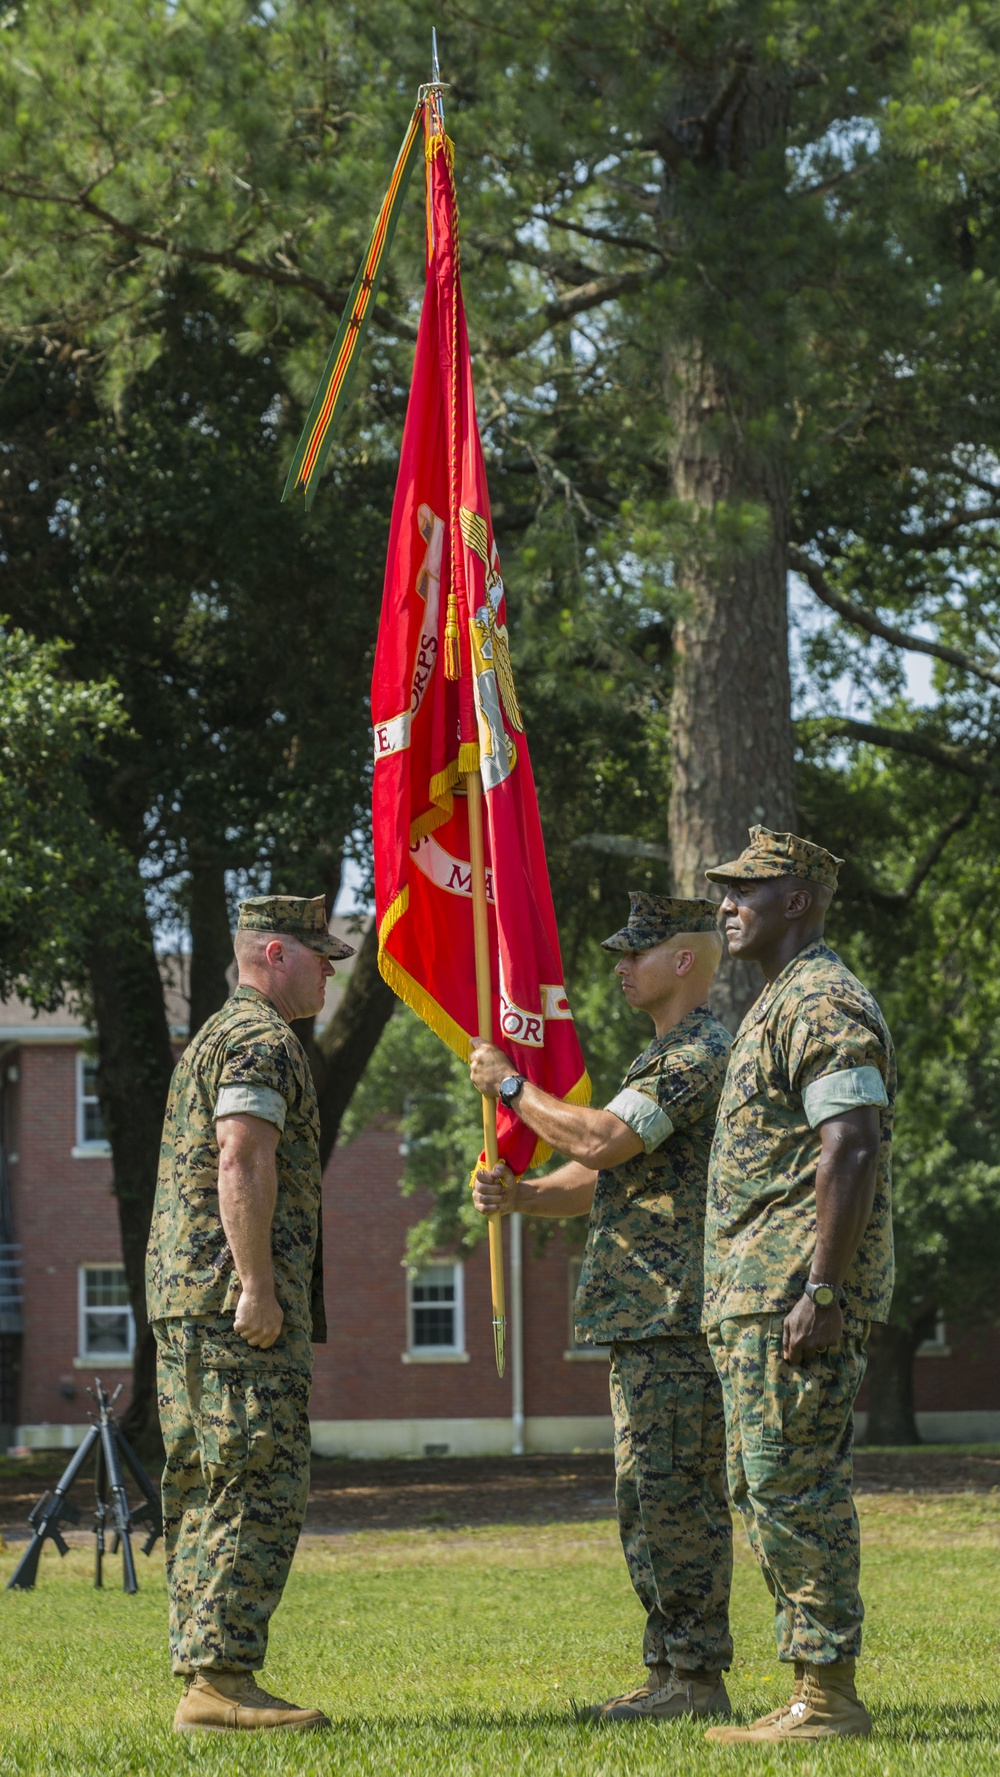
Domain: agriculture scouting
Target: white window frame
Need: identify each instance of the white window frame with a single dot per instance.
(455, 1353)
(84, 1149)
(110, 1360)
(937, 1345)
(574, 1353)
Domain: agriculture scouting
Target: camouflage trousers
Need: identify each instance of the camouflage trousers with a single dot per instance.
(673, 1515)
(790, 1441)
(236, 1428)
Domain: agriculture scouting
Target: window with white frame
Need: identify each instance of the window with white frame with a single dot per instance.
(90, 1130)
(937, 1345)
(437, 1321)
(107, 1326)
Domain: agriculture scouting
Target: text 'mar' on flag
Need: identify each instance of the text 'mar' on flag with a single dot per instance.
(444, 704)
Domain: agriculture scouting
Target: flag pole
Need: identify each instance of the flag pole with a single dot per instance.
(481, 946)
(484, 1004)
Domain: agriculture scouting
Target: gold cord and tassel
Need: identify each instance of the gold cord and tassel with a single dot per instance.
(452, 661)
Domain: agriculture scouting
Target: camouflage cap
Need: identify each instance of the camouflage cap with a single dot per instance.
(292, 916)
(779, 854)
(652, 918)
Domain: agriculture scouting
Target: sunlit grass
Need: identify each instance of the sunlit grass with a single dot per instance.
(450, 1652)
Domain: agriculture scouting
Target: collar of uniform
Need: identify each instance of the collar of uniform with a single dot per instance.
(659, 1044)
(775, 988)
(245, 992)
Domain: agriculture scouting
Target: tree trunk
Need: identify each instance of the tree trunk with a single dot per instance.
(339, 1057)
(891, 1351)
(134, 1067)
(732, 753)
(732, 750)
(211, 941)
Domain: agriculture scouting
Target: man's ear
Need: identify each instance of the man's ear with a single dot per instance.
(798, 902)
(274, 952)
(685, 960)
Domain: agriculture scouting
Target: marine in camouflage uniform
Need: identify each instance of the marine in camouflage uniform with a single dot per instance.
(640, 1293)
(234, 1416)
(814, 1046)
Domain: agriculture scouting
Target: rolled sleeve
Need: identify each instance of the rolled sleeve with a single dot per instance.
(650, 1123)
(842, 1091)
(252, 1101)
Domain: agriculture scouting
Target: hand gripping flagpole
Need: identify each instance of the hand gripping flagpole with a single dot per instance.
(484, 1005)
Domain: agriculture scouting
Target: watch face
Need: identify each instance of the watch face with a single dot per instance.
(824, 1296)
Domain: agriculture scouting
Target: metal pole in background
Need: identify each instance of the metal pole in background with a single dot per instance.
(517, 1332)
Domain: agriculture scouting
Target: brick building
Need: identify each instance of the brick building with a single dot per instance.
(409, 1365)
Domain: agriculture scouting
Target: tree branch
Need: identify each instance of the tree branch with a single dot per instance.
(708, 125)
(633, 242)
(857, 413)
(897, 902)
(339, 1055)
(865, 619)
(554, 265)
(287, 275)
(900, 740)
(620, 845)
(822, 186)
(943, 532)
(575, 302)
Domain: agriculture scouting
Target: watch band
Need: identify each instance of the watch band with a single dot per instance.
(510, 1088)
(831, 1293)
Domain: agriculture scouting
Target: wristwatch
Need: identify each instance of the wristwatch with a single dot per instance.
(824, 1294)
(510, 1089)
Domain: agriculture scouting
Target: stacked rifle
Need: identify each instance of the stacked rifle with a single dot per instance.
(108, 1444)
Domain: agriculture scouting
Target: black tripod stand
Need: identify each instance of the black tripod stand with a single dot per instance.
(111, 1445)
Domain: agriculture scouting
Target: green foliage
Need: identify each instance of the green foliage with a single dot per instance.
(801, 195)
(465, 1651)
(57, 869)
(240, 637)
(929, 961)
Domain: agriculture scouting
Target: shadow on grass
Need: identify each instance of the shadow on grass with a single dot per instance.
(495, 1721)
(478, 1721)
(930, 1722)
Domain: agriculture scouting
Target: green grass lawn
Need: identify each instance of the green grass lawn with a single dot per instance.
(451, 1652)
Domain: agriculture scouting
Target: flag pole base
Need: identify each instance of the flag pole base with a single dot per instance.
(500, 1344)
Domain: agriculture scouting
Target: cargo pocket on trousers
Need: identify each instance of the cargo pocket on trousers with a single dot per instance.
(651, 1412)
(691, 1407)
(792, 1395)
(236, 1425)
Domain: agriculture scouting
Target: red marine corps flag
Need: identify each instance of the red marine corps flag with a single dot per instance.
(467, 931)
(446, 721)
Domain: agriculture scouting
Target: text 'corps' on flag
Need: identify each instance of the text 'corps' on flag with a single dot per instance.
(444, 705)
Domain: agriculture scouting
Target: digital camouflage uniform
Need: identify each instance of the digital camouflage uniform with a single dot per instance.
(814, 1045)
(640, 1292)
(235, 1419)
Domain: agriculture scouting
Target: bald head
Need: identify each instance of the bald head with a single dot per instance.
(668, 980)
(697, 954)
(292, 975)
(249, 947)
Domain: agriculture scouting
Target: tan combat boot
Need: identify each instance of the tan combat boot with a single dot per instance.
(217, 1702)
(668, 1693)
(796, 1697)
(823, 1706)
